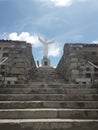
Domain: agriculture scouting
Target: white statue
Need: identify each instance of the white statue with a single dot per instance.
(45, 43)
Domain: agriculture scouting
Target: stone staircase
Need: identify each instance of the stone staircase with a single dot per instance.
(46, 74)
(48, 105)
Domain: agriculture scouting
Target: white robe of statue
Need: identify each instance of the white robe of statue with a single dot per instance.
(45, 43)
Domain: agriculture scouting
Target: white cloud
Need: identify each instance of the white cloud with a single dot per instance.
(54, 50)
(4, 36)
(83, 0)
(96, 41)
(63, 2)
(59, 2)
(25, 36)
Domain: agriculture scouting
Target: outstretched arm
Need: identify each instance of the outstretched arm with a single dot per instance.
(50, 42)
(41, 40)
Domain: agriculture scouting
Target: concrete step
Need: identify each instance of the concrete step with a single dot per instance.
(48, 104)
(48, 113)
(46, 74)
(47, 84)
(46, 90)
(56, 85)
(50, 97)
(48, 124)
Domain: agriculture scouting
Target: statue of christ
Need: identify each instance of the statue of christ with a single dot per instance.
(45, 43)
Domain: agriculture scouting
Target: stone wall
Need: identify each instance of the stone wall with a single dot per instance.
(20, 63)
(74, 66)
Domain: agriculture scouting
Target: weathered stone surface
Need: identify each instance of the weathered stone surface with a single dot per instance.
(20, 61)
(53, 106)
(46, 101)
(48, 104)
(47, 74)
(49, 124)
(74, 63)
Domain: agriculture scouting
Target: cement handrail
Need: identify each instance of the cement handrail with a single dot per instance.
(5, 59)
(95, 66)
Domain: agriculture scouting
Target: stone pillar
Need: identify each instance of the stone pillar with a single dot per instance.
(45, 62)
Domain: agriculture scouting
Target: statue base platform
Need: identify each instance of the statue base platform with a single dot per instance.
(45, 62)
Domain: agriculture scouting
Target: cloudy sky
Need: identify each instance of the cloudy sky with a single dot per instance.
(65, 21)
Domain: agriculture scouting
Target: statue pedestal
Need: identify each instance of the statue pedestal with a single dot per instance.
(45, 62)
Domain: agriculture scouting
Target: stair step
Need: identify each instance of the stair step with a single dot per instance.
(54, 97)
(48, 113)
(47, 84)
(48, 104)
(48, 124)
(47, 90)
(46, 74)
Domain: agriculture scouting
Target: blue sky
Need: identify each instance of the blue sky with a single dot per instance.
(65, 21)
